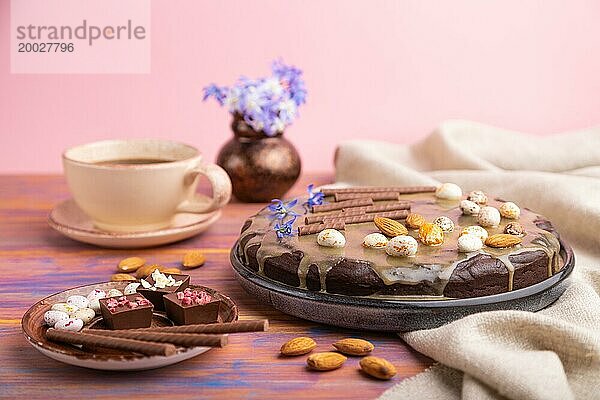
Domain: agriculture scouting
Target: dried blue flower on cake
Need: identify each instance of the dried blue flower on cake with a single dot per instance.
(314, 198)
(279, 210)
(284, 229)
(267, 104)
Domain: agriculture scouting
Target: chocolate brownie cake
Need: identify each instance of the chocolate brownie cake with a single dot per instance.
(400, 242)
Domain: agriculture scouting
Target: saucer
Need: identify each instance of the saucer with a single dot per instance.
(68, 219)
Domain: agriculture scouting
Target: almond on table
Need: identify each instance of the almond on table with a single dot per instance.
(325, 361)
(354, 347)
(193, 259)
(130, 264)
(378, 367)
(298, 346)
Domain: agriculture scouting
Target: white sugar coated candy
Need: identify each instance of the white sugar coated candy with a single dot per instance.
(476, 230)
(510, 210)
(114, 293)
(96, 294)
(469, 207)
(331, 238)
(66, 308)
(448, 191)
(71, 324)
(469, 243)
(51, 317)
(445, 223)
(85, 314)
(375, 241)
(79, 301)
(95, 305)
(131, 288)
(488, 216)
(402, 246)
(477, 196)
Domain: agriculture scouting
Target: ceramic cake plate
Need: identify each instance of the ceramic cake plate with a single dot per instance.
(68, 219)
(397, 315)
(106, 359)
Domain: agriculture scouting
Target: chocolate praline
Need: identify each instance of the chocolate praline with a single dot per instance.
(156, 296)
(126, 312)
(186, 313)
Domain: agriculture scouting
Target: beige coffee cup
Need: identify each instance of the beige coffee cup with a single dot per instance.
(140, 184)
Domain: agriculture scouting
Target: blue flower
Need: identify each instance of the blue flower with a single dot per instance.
(280, 210)
(314, 198)
(286, 229)
(268, 104)
(219, 93)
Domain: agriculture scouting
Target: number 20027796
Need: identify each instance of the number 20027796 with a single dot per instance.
(45, 47)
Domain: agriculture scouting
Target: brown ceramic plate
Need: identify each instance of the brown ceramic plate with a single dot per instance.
(34, 331)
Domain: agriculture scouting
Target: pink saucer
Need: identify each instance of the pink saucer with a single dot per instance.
(68, 219)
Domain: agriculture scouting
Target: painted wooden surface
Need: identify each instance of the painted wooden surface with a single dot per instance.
(36, 261)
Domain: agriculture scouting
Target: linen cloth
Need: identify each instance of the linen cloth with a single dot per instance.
(551, 354)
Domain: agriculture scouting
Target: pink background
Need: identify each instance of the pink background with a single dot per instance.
(374, 69)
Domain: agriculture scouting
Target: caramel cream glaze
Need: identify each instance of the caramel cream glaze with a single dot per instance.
(433, 264)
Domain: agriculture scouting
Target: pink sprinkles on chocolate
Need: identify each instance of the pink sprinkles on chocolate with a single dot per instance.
(112, 304)
(193, 297)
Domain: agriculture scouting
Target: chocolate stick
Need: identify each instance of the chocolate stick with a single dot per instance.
(358, 219)
(379, 196)
(343, 204)
(347, 212)
(318, 218)
(316, 228)
(254, 325)
(179, 339)
(401, 205)
(375, 189)
(137, 346)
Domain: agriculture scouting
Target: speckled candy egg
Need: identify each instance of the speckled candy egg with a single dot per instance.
(478, 197)
(445, 223)
(402, 246)
(331, 238)
(95, 305)
(131, 288)
(71, 324)
(114, 293)
(476, 230)
(64, 307)
(448, 191)
(375, 241)
(469, 243)
(488, 217)
(510, 210)
(78, 301)
(51, 317)
(96, 294)
(85, 314)
(469, 208)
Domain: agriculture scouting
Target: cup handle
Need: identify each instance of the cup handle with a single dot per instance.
(221, 189)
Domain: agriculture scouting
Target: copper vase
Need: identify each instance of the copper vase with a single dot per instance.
(261, 167)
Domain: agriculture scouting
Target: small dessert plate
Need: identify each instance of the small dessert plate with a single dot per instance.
(105, 359)
(68, 219)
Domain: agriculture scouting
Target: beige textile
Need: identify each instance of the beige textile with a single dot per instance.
(551, 354)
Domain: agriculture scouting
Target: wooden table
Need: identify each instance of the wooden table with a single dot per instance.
(36, 261)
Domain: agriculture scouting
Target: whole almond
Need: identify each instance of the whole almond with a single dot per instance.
(325, 361)
(122, 277)
(354, 347)
(167, 271)
(378, 367)
(298, 346)
(146, 270)
(130, 264)
(389, 227)
(193, 259)
(502, 240)
(414, 221)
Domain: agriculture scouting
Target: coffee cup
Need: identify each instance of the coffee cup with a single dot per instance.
(141, 184)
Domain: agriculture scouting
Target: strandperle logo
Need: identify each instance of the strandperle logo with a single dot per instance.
(85, 31)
